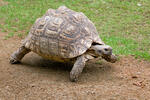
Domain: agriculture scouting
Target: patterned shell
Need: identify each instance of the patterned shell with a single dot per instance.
(62, 33)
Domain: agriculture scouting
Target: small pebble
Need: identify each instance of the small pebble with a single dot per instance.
(139, 4)
(134, 77)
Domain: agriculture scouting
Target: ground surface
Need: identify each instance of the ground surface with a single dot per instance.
(39, 79)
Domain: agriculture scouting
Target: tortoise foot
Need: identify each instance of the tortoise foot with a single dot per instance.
(73, 77)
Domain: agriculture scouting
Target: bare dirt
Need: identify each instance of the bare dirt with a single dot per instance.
(39, 79)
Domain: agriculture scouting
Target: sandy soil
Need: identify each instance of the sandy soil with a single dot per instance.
(39, 79)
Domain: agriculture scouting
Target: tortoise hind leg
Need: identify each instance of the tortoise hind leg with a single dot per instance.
(19, 54)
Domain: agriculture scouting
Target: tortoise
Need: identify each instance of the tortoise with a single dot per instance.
(64, 35)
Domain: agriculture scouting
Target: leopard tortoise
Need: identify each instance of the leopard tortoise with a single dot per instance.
(66, 36)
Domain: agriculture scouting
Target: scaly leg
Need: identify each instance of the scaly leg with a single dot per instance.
(78, 67)
(18, 55)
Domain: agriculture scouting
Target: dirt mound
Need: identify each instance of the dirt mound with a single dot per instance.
(38, 79)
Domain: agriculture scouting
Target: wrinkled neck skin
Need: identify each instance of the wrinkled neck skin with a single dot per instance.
(91, 52)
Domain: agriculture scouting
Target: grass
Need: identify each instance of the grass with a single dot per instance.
(123, 24)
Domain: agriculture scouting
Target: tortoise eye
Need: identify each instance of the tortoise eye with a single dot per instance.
(106, 49)
(99, 51)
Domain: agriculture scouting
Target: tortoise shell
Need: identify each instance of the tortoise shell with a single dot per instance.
(62, 33)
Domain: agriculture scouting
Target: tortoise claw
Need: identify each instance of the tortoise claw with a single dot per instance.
(73, 77)
(13, 61)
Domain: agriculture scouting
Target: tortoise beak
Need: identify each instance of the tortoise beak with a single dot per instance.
(110, 58)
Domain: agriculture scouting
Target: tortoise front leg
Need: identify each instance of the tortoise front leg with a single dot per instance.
(77, 68)
(18, 55)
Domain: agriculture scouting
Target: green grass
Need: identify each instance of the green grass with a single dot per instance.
(122, 23)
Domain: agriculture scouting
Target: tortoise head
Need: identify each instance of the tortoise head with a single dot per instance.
(105, 51)
(102, 50)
